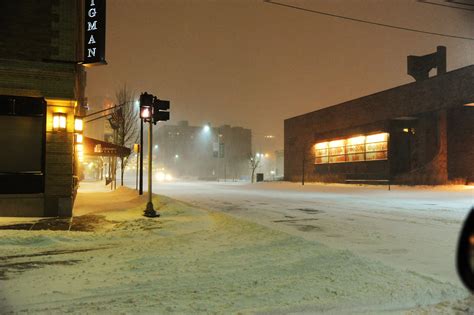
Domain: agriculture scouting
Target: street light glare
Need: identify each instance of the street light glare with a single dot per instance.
(206, 128)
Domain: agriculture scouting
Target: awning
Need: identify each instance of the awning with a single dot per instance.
(94, 147)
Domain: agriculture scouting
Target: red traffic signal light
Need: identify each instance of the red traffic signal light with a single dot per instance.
(146, 105)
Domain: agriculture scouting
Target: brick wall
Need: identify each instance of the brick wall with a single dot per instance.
(39, 48)
(461, 144)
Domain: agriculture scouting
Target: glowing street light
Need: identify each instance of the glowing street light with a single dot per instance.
(207, 128)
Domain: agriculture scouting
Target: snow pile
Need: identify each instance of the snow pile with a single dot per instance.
(194, 261)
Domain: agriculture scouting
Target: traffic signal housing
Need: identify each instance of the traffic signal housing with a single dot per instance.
(146, 105)
(160, 110)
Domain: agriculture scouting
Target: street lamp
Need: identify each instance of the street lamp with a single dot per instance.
(206, 128)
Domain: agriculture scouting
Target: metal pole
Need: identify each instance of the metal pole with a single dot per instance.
(150, 211)
(302, 171)
(140, 184)
(138, 166)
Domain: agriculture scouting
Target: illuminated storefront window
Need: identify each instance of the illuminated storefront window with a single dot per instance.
(376, 147)
(337, 151)
(354, 149)
(321, 152)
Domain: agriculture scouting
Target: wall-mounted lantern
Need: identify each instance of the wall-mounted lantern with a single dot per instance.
(78, 124)
(79, 138)
(59, 122)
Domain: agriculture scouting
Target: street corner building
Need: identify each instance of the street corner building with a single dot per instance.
(418, 133)
(41, 94)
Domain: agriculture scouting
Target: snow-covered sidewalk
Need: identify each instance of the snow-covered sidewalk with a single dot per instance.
(194, 261)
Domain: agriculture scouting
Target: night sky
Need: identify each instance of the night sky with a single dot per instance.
(253, 64)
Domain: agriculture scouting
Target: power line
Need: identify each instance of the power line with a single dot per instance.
(365, 21)
(462, 3)
(446, 5)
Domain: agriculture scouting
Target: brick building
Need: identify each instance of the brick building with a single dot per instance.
(41, 91)
(204, 152)
(418, 133)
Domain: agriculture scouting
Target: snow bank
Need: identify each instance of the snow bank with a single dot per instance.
(194, 261)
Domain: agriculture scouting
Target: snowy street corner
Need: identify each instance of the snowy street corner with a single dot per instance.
(195, 261)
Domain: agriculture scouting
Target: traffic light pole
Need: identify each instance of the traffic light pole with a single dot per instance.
(152, 110)
(140, 185)
(150, 211)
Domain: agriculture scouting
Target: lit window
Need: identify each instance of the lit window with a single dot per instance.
(354, 149)
(59, 121)
(321, 152)
(376, 147)
(379, 137)
(337, 151)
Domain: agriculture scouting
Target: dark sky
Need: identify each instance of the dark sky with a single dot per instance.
(252, 64)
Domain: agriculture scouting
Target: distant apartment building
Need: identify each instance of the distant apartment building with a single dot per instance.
(203, 152)
(279, 162)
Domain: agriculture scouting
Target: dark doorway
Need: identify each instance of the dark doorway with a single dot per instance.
(401, 147)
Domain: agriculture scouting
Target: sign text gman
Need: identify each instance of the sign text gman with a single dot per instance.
(94, 32)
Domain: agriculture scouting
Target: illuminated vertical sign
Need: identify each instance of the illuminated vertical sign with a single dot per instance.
(94, 32)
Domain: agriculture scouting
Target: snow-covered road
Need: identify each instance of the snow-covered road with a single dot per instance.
(197, 261)
(409, 228)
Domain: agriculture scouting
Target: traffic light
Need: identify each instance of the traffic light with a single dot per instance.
(160, 110)
(146, 104)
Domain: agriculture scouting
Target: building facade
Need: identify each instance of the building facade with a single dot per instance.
(418, 133)
(41, 92)
(204, 152)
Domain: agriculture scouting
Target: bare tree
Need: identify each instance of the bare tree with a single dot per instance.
(254, 161)
(125, 120)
